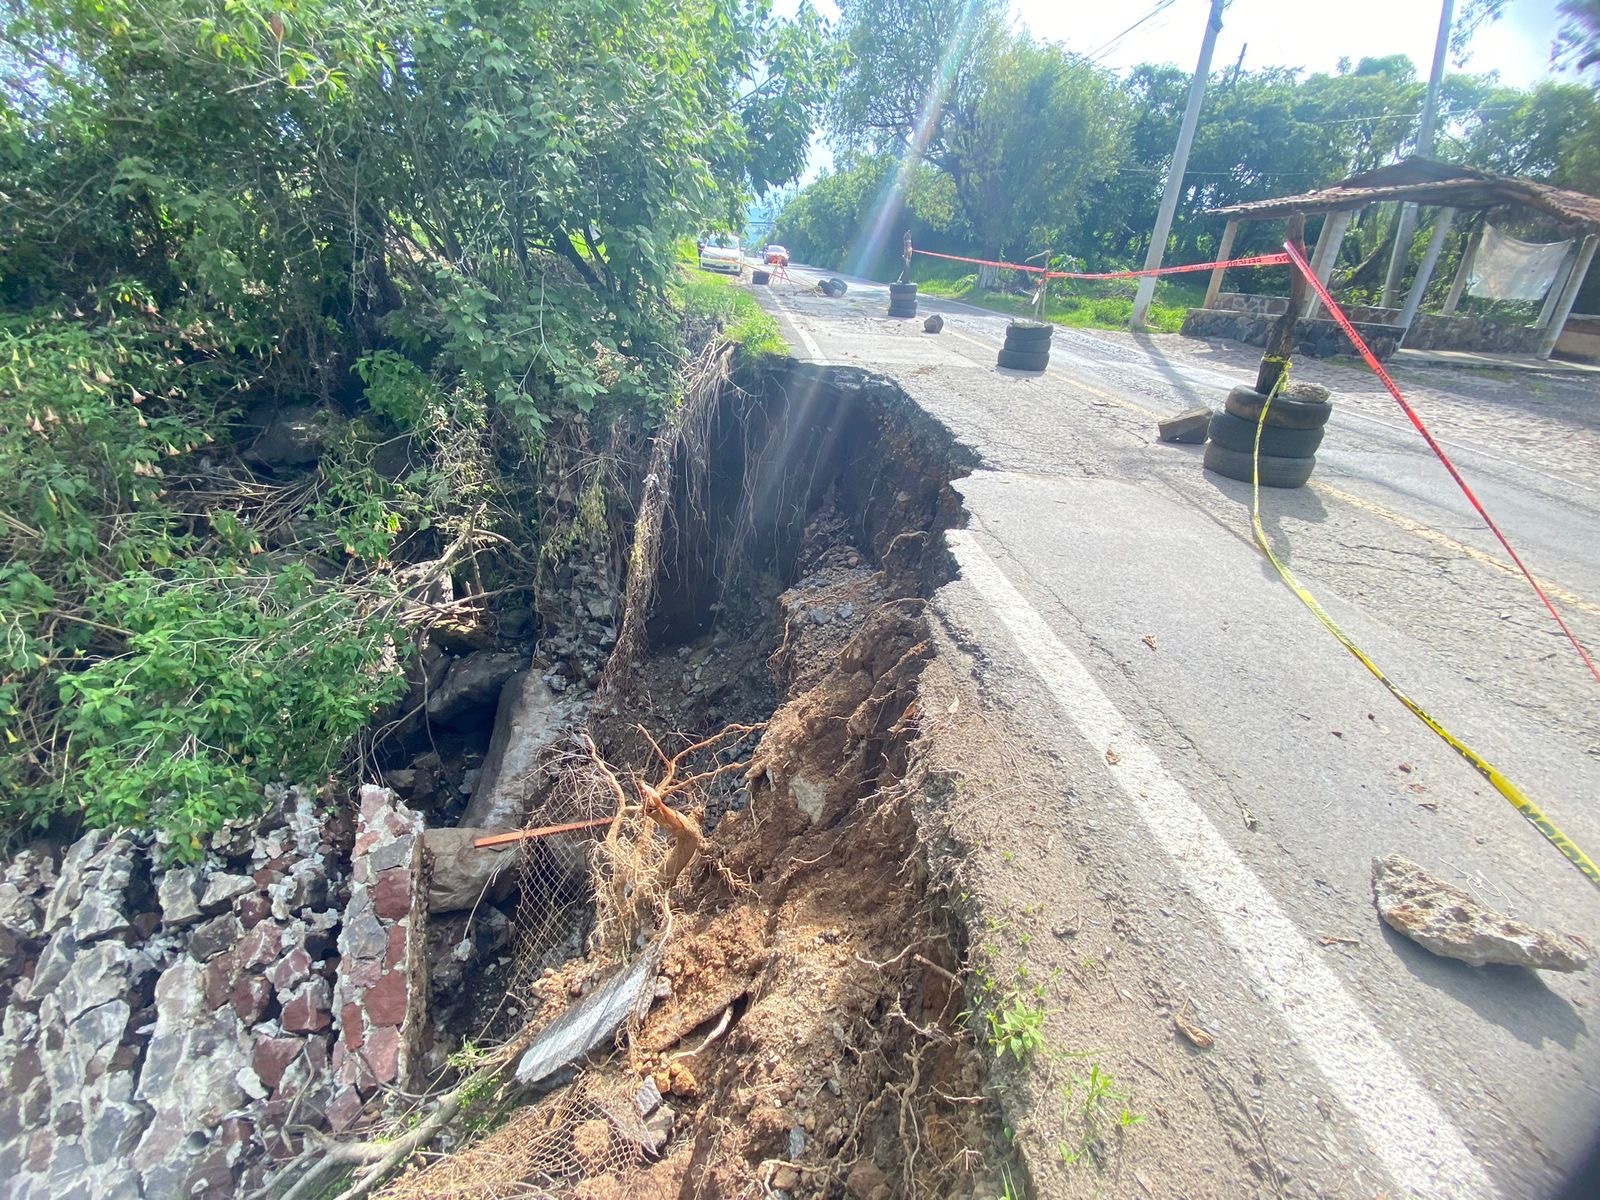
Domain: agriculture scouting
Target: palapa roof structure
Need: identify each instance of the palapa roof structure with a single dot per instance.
(1427, 181)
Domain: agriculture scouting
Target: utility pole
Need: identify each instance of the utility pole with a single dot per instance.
(1180, 160)
(1408, 212)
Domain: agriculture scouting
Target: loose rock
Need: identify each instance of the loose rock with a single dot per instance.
(1451, 923)
(1188, 426)
(461, 874)
(473, 682)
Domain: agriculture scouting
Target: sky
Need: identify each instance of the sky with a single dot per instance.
(1296, 33)
(1277, 33)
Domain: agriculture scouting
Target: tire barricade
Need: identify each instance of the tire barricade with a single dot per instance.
(1027, 346)
(902, 299)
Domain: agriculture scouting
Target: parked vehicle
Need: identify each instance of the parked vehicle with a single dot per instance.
(722, 254)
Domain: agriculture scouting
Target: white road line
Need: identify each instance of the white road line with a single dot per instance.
(1417, 1144)
(794, 323)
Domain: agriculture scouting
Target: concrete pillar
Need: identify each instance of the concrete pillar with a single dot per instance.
(1557, 286)
(1441, 227)
(1463, 272)
(1334, 226)
(1224, 249)
(1569, 295)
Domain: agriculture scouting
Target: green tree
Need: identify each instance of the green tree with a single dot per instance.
(1020, 129)
(831, 221)
(1043, 127)
(447, 222)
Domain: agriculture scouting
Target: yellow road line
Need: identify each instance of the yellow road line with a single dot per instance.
(1555, 590)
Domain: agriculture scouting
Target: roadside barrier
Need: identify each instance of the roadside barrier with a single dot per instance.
(1513, 794)
(1257, 260)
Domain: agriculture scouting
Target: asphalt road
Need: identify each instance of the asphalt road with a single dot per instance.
(1236, 771)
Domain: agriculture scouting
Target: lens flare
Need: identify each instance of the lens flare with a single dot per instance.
(890, 196)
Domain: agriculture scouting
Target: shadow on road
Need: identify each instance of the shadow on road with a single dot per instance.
(1191, 392)
(1514, 998)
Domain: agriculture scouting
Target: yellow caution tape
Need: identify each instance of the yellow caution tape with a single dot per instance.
(1534, 814)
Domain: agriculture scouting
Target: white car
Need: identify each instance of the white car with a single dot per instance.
(727, 257)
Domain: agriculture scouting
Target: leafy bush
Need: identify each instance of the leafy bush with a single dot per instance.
(444, 225)
(229, 679)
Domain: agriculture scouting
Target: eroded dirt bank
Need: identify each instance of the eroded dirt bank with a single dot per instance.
(808, 1034)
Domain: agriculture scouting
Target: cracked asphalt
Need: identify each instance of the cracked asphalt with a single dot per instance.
(1110, 589)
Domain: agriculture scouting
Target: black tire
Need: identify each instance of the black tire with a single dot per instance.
(902, 290)
(1024, 360)
(1286, 411)
(1238, 434)
(1275, 472)
(1028, 337)
(840, 287)
(898, 309)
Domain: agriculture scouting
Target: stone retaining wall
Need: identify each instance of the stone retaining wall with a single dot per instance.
(1429, 331)
(170, 1032)
(1318, 339)
(382, 990)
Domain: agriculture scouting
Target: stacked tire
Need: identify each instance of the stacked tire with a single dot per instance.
(1027, 346)
(1295, 424)
(902, 299)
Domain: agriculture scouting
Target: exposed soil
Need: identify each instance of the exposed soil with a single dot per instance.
(809, 1032)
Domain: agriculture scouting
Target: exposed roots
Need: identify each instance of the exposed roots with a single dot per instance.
(683, 435)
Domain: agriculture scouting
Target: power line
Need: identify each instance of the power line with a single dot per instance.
(1160, 8)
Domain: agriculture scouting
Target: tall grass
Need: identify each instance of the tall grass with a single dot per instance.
(721, 298)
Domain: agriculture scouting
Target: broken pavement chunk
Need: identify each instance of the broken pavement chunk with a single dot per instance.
(1449, 922)
(1188, 426)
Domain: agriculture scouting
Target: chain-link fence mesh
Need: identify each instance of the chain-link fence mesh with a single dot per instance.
(584, 1141)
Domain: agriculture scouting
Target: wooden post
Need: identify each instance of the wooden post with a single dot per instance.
(1280, 342)
(1224, 248)
(1569, 295)
(1463, 272)
(1334, 227)
(1425, 272)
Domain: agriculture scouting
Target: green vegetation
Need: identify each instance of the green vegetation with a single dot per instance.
(717, 298)
(430, 237)
(1016, 1027)
(1109, 309)
(1091, 1105)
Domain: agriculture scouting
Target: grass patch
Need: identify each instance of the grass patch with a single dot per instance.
(720, 298)
(1078, 305)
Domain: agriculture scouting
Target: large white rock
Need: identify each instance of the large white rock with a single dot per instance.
(1446, 920)
(529, 721)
